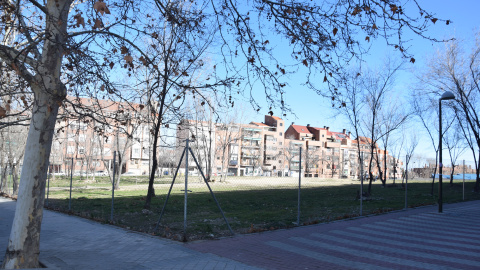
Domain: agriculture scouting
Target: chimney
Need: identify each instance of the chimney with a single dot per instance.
(293, 123)
(328, 128)
(349, 133)
(308, 125)
(344, 131)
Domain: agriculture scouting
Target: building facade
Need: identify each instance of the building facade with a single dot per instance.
(268, 148)
(271, 149)
(86, 142)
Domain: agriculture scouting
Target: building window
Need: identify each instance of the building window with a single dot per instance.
(81, 150)
(281, 124)
(280, 133)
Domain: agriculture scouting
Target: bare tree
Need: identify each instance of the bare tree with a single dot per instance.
(410, 146)
(179, 48)
(332, 161)
(393, 117)
(228, 138)
(455, 146)
(325, 36)
(377, 86)
(451, 69)
(12, 150)
(204, 130)
(312, 157)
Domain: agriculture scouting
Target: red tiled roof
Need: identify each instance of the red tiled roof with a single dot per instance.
(355, 142)
(301, 129)
(276, 117)
(364, 139)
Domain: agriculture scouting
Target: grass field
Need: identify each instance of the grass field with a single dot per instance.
(250, 204)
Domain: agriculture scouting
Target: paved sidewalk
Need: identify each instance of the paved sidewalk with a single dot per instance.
(69, 242)
(418, 238)
(415, 239)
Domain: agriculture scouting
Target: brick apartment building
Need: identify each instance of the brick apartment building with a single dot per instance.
(267, 149)
(91, 142)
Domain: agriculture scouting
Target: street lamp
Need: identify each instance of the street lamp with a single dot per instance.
(446, 96)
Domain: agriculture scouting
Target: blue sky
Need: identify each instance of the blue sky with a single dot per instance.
(316, 111)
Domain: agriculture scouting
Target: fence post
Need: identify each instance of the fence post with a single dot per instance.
(113, 184)
(48, 184)
(299, 186)
(406, 183)
(186, 195)
(71, 179)
(361, 183)
(463, 188)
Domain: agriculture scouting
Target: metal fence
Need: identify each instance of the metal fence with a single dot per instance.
(193, 208)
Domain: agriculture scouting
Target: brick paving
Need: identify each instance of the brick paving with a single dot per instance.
(415, 239)
(418, 238)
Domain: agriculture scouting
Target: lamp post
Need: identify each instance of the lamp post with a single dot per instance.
(446, 96)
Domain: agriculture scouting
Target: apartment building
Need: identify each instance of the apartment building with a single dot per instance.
(88, 140)
(102, 127)
(266, 148)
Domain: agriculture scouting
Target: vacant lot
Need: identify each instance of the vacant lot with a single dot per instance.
(250, 204)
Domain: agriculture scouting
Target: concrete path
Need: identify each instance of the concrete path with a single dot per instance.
(415, 239)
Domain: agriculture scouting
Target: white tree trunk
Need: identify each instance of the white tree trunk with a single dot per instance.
(24, 243)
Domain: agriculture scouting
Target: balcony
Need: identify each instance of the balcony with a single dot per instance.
(250, 145)
(251, 138)
(233, 163)
(246, 163)
(332, 144)
(252, 129)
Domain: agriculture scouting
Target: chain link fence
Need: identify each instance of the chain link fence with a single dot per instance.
(249, 203)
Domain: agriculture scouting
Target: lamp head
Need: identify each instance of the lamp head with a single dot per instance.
(447, 95)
